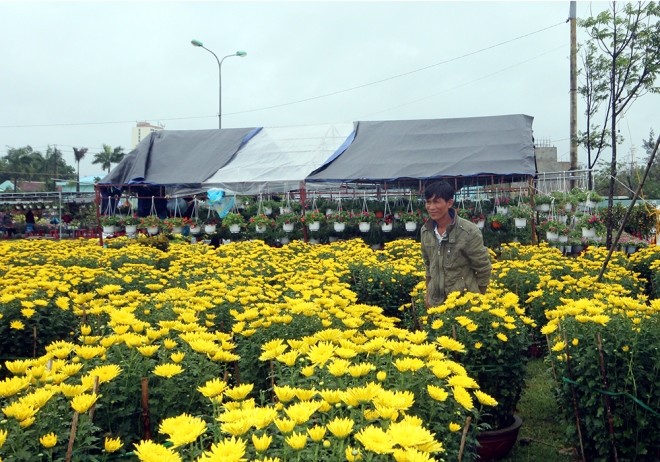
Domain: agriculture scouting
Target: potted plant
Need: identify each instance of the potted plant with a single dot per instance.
(151, 223)
(313, 219)
(130, 223)
(174, 224)
(261, 222)
(338, 220)
(498, 221)
(493, 336)
(591, 225)
(542, 202)
(521, 213)
(364, 219)
(234, 221)
(410, 219)
(287, 220)
(109, 222)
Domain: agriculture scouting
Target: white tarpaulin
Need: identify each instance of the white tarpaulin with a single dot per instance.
(279, 159)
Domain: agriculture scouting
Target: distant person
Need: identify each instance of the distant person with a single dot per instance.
(8, 224)
(453, 248)
(29, 221)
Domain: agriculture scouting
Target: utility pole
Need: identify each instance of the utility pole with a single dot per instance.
(573, 116)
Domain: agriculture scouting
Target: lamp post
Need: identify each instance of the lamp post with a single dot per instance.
(240, 54)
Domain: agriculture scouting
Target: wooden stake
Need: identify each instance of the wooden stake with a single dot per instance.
(145, 408)
(72, 436)
(466, 427)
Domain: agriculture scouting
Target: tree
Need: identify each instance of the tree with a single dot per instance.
(108, 156)
(627, 39)
(79, 154)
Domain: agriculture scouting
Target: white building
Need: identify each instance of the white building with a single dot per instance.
(141, 131)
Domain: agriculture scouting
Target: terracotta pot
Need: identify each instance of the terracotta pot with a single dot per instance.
(495, 444)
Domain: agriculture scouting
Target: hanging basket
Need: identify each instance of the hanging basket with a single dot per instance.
(364, 226)
(386, 227)
(209, 229)
(287, 227)
(411, 226)
(339, 227)
(314, 226)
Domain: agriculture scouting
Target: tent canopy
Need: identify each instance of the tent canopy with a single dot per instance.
(390, 151)
(279, 159)
(179, 157)
(273, 160)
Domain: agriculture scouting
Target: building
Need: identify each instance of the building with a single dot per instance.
(141, 131)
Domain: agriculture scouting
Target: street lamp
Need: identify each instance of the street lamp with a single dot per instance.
(240, 54)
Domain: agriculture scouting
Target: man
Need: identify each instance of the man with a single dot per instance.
(452, 248)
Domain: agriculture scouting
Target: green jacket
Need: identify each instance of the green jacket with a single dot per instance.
(460, 263)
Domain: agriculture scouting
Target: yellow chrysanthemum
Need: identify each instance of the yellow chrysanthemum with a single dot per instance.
(168, 370)
(182, 429)
(341, 427)
(49, 440)
(81, 403)
(111, 445)
(148, 451)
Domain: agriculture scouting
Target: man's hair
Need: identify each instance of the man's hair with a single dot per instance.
(439, 189)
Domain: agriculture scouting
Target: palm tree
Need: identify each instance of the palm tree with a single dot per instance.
(108, 156)
(79, 154)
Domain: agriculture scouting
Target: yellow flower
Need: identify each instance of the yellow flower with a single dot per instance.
(3, 437)
(182, 429)
(463, 398)
(375, 439)
(381, 376)
(112, 444)
(341, 427)
(485, 398)
(17, 325)
(450, 344)
(177, 357)
(559, 346)
(148, 350)
(296, 441)
(239, 392)
(285, 425)
(316, 433)
(228, 450)
(81, 403)
(168, 370)
(261, 443)
(85, 329)
(437, 393)
(213, 388)
(148, 451)
(502, 337)
(454, 427)
(49, 440)
(28, 312)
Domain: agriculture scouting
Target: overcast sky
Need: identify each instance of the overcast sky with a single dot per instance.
(83, 73)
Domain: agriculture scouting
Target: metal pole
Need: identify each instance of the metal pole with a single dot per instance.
(573, 116)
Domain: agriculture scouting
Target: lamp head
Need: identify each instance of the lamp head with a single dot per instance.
(242, 54)
(196, 43)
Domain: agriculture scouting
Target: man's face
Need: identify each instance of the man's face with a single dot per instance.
(438, 208)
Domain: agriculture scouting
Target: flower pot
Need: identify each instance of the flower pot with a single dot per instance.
(364, 226)
(495, 444)
(588, 232)
(568, 207)
(411, 226)
(131, 230)
(313, 240)
(589, 204)
(562, 218)
(481, 223)
(314, 226)
(543, 207)
(576, 249)
(209, 229)
(551, 236)
(631, 249)
(502, 210)
(520, 222)
(260, 229)
(268, 210)
(234, 229)
(287, 227)
(177, 229)
(563, 239)
(386, 227)
(339, 227)
(151, 230)
(197, 229)
(109, 229)
(284, 240)
(284, 210)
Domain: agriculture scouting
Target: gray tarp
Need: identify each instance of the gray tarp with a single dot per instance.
(389, 151)
(179, 157)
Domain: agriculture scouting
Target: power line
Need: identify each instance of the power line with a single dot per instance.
(357, 87)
